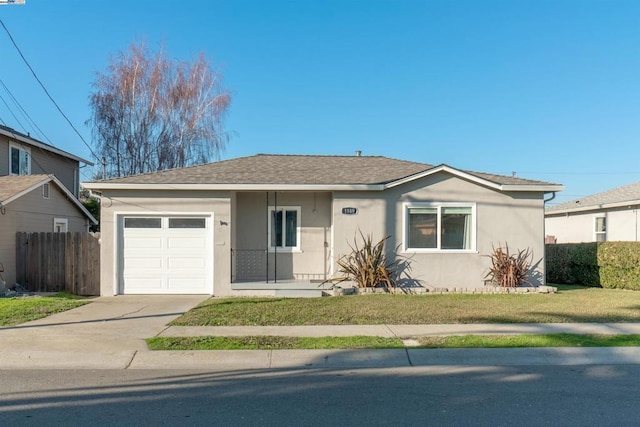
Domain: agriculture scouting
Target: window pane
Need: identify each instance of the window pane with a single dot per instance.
(291, 223)
(25, 164)
(142, 223)
(276, 228)
(601, 224)
(187, 223)
(423, 226)
(15, 161)
(601, 237)
(456, 228)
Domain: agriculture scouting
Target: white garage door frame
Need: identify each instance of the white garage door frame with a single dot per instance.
(118, 282)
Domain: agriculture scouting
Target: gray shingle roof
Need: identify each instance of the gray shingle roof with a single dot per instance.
(15, 184)
(301, 170)
(626, 193)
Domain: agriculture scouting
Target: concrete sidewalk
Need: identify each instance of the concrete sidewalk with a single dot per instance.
(110, 333)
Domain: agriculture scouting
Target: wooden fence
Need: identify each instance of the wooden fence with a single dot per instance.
(54, 262)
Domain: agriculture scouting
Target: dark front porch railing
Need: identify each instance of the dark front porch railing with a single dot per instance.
(249, 265)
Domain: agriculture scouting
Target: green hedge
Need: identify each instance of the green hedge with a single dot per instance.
(605, 264)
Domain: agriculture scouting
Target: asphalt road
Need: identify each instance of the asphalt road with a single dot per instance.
(488, 396)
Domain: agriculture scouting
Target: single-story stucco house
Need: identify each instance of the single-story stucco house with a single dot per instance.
(235, 227)
(608, 216)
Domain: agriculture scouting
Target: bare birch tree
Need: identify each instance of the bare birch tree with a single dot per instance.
(150, 112)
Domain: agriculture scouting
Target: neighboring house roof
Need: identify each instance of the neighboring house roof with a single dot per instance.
(27, 139)
(12, 187)
(618, 197)
(282, 172)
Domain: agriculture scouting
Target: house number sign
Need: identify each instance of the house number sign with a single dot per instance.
(349, 211)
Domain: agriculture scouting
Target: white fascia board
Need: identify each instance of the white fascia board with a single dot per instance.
(233, 187)
(448, 169)
(73, 199)
(26, 191)
(628, 203)
(34, 143)
(547, 188)
(60, 185)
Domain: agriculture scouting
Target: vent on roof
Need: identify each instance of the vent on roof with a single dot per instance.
(358, 153)
(45, 191)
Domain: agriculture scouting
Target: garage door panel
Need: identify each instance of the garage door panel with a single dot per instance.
(187, 263)
(163, 260)
(146, 283)
(186, 285)
(142, 263)
(143, 243)
(186, 242)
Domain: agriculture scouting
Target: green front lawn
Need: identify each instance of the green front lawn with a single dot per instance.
(271, 343)
(14, 311)
(361, 342)
(570, 304)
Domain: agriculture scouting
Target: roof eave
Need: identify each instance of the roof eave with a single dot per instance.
(234, 187)
(25, 191)
(60, 185)
(544, 188)
(50, 148)
(601, 206)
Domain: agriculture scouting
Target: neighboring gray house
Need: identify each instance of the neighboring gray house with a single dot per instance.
(608, 216)
(21, 154)
(39, 187)
(226, 228)
(35, 203)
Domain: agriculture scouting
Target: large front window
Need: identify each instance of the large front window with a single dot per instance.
(445, 226)
(284, 227)
(19, 160)
(601, 228)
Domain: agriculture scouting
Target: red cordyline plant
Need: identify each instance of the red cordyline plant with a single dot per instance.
(509, 270)
(367, 264)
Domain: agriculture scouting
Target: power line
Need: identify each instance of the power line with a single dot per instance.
(45, 89)
(25, 114)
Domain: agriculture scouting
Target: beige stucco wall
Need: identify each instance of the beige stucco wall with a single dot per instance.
(313, 260)
(44, 162)
(516, 218)
(623, 224)
(115, 202)
(33, 213)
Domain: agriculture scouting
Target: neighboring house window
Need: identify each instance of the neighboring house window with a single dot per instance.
(45, 191)
(60, 225)
(601, 228)
(440, 226)
(284, 227)
(19, 160)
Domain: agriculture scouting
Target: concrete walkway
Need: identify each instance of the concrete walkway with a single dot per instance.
(109, 333)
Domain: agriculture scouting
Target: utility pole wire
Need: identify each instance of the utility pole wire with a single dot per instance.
(45, 89)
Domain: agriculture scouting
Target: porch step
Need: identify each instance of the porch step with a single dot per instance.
(298, 293)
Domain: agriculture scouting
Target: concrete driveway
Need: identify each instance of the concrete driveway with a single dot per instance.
(108, 328)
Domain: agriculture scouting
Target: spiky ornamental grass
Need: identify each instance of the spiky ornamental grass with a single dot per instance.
(509, 270)
(367, 264)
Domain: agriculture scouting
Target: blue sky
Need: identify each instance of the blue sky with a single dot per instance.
(547, 89)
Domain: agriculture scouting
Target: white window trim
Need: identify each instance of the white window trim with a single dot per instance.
(298, 228)
(60, 221)
(595, 223)
(439, 205)
(21, 148)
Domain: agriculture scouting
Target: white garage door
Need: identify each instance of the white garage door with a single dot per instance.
(166, 255)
